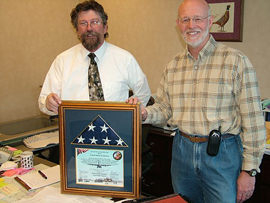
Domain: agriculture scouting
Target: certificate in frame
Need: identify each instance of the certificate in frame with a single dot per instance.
(100, 148)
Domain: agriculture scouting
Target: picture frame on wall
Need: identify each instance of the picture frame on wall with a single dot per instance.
(228, 19)
(100, 148)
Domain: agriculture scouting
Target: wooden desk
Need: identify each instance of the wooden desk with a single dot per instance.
(38, 160)
(157, 181)
(22, 192)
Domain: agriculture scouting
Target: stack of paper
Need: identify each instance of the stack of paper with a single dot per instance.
(53, 195)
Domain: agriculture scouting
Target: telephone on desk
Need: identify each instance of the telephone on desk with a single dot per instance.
(42, 140)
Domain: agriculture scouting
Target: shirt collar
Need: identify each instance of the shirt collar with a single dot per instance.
(99, 53)
(208, 47)
(206, 50)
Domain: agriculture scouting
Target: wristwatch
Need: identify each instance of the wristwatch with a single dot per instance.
(252, 172)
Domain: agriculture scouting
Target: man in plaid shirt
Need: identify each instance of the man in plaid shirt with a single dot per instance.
(210, 86)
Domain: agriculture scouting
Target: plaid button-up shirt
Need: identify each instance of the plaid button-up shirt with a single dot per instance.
(220, 89)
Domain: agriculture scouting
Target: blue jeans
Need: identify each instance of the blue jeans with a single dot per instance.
(204, 178)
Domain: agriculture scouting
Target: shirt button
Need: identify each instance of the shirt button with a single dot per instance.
(196, 67)
(193, 99)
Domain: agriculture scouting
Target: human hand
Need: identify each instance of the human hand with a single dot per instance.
(245, 187)
(52, 102)
(135, 100)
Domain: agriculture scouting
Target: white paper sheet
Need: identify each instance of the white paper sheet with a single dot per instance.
(53, 195)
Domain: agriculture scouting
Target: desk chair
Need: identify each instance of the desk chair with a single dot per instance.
(147, 156)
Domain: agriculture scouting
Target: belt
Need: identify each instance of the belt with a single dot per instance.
(202, 139)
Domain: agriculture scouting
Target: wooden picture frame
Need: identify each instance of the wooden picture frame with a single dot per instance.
(100, 148)
(232, 28)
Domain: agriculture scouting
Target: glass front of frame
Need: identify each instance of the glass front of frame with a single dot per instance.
(227, 19)
(100, 149)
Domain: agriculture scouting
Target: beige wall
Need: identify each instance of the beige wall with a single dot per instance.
(33, 32)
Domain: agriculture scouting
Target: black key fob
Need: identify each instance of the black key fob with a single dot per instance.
(213, 142)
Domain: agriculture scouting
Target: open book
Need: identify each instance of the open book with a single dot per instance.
(32, 181)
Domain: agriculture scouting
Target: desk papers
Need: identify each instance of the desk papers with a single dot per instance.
(52, 194)
(34, 181)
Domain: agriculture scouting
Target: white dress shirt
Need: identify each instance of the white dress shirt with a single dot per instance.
(118, 69)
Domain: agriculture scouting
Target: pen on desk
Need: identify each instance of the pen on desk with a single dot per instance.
(42, 174)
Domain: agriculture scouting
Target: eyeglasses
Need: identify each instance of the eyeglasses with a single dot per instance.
(196, 20)
(93, 23)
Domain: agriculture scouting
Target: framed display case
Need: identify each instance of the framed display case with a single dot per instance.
(100, 148)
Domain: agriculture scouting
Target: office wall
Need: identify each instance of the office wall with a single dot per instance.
(33, 32)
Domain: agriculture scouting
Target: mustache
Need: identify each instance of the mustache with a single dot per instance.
(90, 33)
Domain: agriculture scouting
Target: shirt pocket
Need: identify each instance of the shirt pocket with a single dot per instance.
(115, 91)
(217, 94)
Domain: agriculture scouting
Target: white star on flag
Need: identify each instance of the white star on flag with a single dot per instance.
(119, 142)
(106, 141)
(80, 139)
(93, 141)
(91, 127)
(104, 128)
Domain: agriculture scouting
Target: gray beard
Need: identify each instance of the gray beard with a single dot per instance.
(198, 42)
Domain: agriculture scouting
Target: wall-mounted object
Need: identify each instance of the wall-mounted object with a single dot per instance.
(228, 19)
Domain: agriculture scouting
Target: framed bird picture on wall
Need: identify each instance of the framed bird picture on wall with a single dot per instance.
(228, 19)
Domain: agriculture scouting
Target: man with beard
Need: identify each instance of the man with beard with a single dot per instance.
(210, 92)
(119, 71)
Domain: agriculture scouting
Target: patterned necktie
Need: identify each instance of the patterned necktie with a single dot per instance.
(94, 83)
